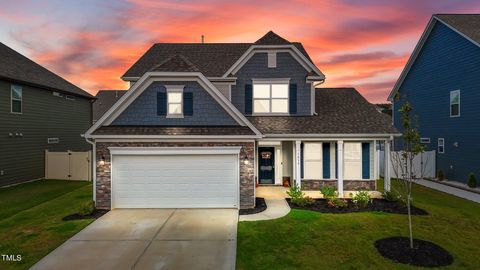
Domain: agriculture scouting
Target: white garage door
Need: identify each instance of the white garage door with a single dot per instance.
(175, 181)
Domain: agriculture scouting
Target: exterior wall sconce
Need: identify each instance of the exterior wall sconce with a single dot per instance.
(245, 160)
(102, 160)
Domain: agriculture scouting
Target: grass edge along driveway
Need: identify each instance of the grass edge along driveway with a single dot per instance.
(311, 240)
(31, 224)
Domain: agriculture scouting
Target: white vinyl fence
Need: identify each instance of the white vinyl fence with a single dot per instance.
(68, 165)
(423, 164)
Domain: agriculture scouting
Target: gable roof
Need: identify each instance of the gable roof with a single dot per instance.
(18, 68)
(466, 25)
(211, 59)
(338, 111)
(272, 38)
(176, 63)
(105, 100)
(150, 77)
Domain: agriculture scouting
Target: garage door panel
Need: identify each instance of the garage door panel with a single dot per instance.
(194, 181)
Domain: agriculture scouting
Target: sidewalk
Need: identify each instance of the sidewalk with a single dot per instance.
(471, 196)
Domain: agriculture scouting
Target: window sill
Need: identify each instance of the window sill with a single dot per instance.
(175, 116)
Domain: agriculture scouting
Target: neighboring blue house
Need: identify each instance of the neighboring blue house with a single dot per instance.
(442, 82)
(203, 124)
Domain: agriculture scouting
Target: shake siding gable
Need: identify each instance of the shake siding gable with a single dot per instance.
(446, 62)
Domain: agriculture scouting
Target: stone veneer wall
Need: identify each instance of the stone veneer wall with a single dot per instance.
(103, 181)
(347, 184)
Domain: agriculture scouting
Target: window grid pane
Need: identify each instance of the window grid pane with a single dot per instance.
(261, 105)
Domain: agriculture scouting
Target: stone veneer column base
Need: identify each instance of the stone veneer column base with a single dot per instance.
(103, 182)
(347, 184)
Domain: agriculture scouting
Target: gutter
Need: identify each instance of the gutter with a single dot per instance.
(94, 165)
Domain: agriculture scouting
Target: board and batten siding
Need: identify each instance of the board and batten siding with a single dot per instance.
(44, 116)
(446, 63)
(287, 67)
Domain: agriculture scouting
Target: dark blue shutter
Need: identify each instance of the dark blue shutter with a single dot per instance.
(161, 103)
(365, 160)
(188, 104)
(248, 98)
(336, 160)
(301, 161)
(326, 160)
(292, 97)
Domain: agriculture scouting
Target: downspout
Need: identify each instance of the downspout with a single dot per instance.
(94, 165)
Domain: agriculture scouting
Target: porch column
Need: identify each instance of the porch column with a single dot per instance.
(387, 183)
(340, 168)
(298, 164)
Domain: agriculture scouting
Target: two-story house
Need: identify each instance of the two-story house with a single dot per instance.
(39, 111)
(441, 81)
(203, 124)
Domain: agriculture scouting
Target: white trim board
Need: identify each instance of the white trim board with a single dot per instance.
(307, 64)
(175, 150)
(148, 78)
(418, 48)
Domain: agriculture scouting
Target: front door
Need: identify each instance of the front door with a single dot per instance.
(266, 167)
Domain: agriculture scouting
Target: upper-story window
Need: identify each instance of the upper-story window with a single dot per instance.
(441, 145)
(174, 101)
(270, 97)
(16, 98)
(455, 103)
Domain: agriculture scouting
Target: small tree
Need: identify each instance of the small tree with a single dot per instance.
(406, 171)
(472, 181)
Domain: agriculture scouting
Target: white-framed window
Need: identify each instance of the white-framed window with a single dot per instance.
(53, 140)
(175, 101)
(312, 160)
(16, 97)
(441, 145)
(270, 97)
(424, 140)
(455, 103)
(272, 59)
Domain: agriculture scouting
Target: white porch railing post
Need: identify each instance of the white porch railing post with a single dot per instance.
(298, 164)
(340, 168)
(387, 180)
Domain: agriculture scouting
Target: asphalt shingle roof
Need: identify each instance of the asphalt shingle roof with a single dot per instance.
(340, 111)
(105, 100)
(212, 59)
(16, 67)
(176, 63)
(468, 24)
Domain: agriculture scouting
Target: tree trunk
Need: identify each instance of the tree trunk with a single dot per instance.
(410, 221)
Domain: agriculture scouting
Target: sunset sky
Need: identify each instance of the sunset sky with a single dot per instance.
(363, 44)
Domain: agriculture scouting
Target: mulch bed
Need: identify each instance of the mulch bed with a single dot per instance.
(96, 214)
(377, 205)
(260, 206)
(424, 253)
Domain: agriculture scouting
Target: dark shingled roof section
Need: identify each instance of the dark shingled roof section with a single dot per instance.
(176, 63)
(105, 100)
(18, 68)
(468, 24)
(271, 38)
(212, 59)
(174, 130)
(340, 111)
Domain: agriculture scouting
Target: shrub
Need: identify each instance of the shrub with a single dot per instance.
(440, 175)
(362, 198)
(391, 196)
(472, 181)
(86, 208)
(337, 203)
(328, 192)
(297, 197)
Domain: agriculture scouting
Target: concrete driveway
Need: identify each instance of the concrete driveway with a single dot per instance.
(151, 239)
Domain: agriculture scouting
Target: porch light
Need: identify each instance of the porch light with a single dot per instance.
(102, 160)
(245, 160)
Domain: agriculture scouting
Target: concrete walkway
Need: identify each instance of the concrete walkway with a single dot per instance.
(151, 239)
(277, 207)
(471, 196)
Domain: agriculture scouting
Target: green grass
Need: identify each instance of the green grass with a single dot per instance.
(311, 240)
(34, 227)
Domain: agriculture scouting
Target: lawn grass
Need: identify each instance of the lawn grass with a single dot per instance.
(24, 196)
(312, 240)
(34, 232)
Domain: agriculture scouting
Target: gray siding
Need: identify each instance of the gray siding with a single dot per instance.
(206, 110)
(44, 116)
(447, 62)
(287, 67)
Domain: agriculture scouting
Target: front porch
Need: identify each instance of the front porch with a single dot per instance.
(349, 165)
